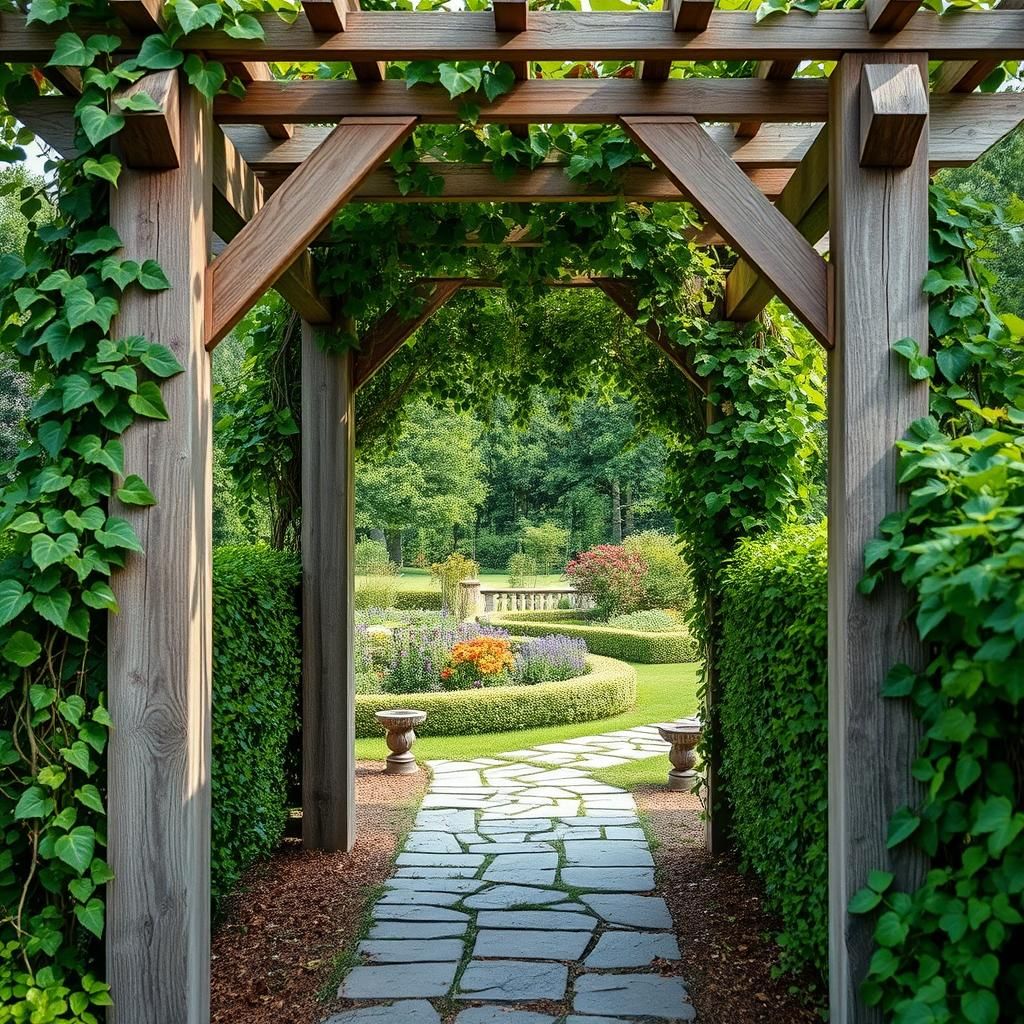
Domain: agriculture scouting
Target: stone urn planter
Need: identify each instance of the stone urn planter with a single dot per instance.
(684, 736)
(401, 735)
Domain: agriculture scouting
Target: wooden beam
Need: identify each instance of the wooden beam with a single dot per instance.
(578, 35)
(141, 16)
(331, 16)
(510, 16)
(880, 255)
(151, 139)
(296, 214)
(691, 15)
(237, 197)
(893, 114)
(159, 647)
(804, 203)
(391, 331)
(554, 101)
(623, 295)
(247, 72)
(966, 76)
(328, 678)
(889, 15)
(772, 71)
(751, 224)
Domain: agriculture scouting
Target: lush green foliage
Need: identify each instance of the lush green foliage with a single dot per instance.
(371, 557)
(628, 644)
(256, 684)
(413, 599)
(450, 573)
(377, 591)
(609, 688)
(611, 576)
(668, 583)
(653, 621)
(774, 729)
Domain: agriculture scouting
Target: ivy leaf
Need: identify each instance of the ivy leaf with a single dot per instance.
(245, 26)
(106, 168)
(54, 606)
(99, 125)
(140, 103)
(89, 795)
(100, 597)
(13, 600)
(71, 50)
(148, 401)
(48, 11)
(499, 81)
(47, 550)
(78, 755)
(421, 72)
(460, 77)
(27, 522)
(91, 917)
(192, 17)
(104, 239)
(152, 277)
(206, 76)
(135, 492)
(120, 272)
(76, 848)
(157, 54)
(902, 826)
(81, 888)
(161, 361)
(118, 533)
(21, 649)
(865, 901)
(980, 1007)
(123, 377)
(34, 803)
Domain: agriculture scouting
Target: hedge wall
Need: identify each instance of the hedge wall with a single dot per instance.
(626, 644)
(256, 685)
(608, 689)
(428, 600)
(774, 729)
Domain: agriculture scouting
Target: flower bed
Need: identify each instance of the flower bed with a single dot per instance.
(660, 648)
(607, 689)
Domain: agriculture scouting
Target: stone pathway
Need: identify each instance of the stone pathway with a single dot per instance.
(524, 881)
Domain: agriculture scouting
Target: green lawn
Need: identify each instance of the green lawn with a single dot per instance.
(665, 692)
(419, 579)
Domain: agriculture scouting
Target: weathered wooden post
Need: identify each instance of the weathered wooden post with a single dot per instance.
(159, 656)
(328, 674)
(879, 243)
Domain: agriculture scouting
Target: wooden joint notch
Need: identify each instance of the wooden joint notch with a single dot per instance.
(331, 17)
(893, 114)
(691, 15)
(889, 15)
(510, 15)
(151, 139)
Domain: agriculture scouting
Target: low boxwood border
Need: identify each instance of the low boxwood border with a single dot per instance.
(425, 600)
(626, 644)
(607, 690)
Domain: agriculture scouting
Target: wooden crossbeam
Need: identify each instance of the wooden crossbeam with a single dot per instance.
(237, 197)
(889, 15)
(391, 331)
(624, 296)
(773, 71)
(247, 72)
(893, 114)
(687, 16)
(511, 16)
(753, 226)
(966, 76)
(555, 101)
(804, 203)
(331, 16)
(152, 138)
(299, 210)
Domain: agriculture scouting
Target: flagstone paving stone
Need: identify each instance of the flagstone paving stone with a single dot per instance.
(498, 852)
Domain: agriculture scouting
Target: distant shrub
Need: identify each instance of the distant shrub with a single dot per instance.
(668, 583)
(493, 550)
(450, 573)
(612, 576)
(422, 599)
(522, 570)
(546, 545)
(654, 621)
(371, 559)
(376, 591)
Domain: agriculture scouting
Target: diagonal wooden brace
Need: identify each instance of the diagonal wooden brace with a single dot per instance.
(295, 214)
(753, 226)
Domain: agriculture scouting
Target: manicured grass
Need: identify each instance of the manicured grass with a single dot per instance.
(664, 692)
(652, 771)
(419, 579)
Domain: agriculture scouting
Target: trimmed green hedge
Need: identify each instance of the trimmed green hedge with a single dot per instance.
(626, 644)
(257, 674)
(774, 729)
(428, 600)
(608, 689)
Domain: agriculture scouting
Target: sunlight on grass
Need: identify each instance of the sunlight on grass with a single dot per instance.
(664, 692)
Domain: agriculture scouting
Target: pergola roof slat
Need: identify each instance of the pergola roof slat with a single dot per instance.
(966, 76)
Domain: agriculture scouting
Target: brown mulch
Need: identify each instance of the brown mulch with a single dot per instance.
(278, 944)
(724, 932)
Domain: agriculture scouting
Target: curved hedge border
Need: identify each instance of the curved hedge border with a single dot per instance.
(424, 600)
(608, 689)
(626, 644)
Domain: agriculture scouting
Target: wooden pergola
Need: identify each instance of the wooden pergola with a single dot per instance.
(773, 161)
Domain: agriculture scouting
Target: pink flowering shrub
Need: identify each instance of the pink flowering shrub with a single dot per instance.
(614, 577)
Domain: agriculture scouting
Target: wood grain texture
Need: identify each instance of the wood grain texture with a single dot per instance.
(238, 196)
(893, 114)
(159, 646)
(773, 71)
(691, 15)
(889, 15)
(752, 225)
(554, 101)
(623, 295)
(966, 76)
(249, 71)
(328, 673)
(804, 203)
(295, 215)
(142, 16)
(151, 139)
(326, 15)
(879, 244)
(391, 331)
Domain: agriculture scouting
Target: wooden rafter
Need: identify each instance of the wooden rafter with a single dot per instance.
(247, 72)
(299, 210)
(624, 296)
(772, 71)
(966, 76)
(331, 16)
(889, 15)
(391, 331)
(237, 197)
(754, 227)
(686, 16)
(804, 203)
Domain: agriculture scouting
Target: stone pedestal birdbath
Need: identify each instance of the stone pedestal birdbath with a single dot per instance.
(684, 735)
(400, 726)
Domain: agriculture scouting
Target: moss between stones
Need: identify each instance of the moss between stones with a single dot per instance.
(627, 644)
(607, 690)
